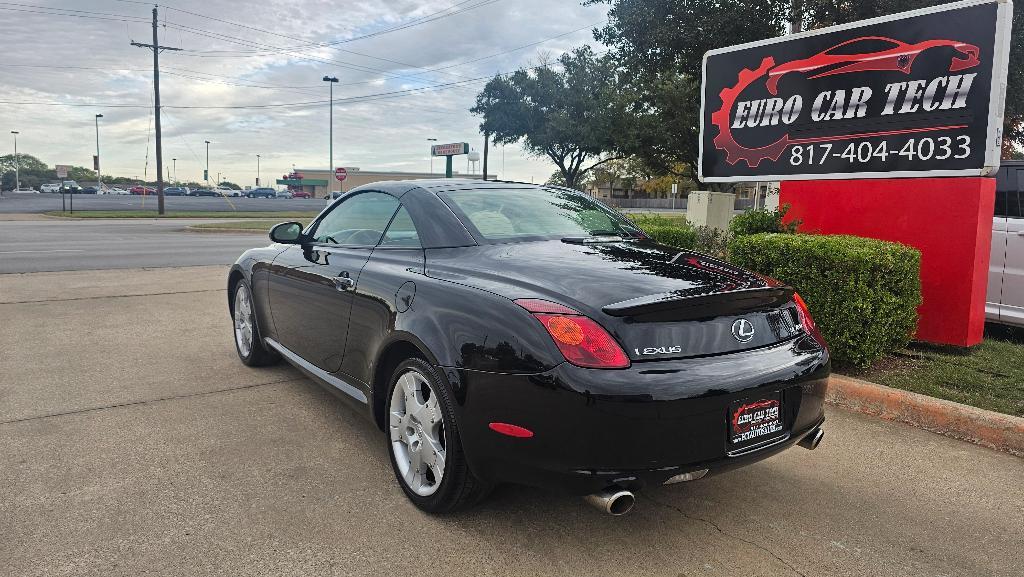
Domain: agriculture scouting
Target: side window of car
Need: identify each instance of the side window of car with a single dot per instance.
(1013, 204)
(357, 221)
(1000, 210)
(402, 231)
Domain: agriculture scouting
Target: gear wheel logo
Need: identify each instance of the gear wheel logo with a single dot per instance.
(734, 151)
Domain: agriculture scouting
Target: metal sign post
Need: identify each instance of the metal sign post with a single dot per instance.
(448, 151)
(62, 173)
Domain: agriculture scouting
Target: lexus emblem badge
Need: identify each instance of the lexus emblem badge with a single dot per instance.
(742, 330)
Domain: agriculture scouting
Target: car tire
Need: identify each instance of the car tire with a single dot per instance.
(430, 426)
(249, 343)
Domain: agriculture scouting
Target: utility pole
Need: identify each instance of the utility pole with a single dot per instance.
(206, 173)
(99, 174)
(431, 156)
(257, 171)
(330, 163)
(487, 140)
(156, 48)
(17, 164)
(174, 163)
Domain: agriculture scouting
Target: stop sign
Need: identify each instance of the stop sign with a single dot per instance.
(340, 173)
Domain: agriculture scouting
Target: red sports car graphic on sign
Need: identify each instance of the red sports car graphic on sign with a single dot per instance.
(898, 58)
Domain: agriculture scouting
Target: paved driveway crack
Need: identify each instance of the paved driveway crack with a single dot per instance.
(149, 401)
(716, 527)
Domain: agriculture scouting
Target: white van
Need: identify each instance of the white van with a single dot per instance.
(50, 187)
(1005, 300)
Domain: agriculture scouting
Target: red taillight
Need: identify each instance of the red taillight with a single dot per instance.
(581, 341)
(805, 315)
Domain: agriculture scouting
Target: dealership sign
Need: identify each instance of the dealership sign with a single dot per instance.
(914, 94)
(449, 149)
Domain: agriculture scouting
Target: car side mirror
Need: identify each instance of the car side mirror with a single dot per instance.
(286, 233)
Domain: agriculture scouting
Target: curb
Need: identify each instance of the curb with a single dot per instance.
(978, 426)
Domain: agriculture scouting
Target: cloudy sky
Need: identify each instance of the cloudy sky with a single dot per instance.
(408, 69)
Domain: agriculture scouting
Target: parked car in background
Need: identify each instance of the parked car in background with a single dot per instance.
(175, 191)
(139, 189)
(284, 194)
(69, 185)
(1005, 300)
(28, 190)
(261, 193)
(87, 190)
(204, 192)
(221, 191)
(50, 187)
(117, 191)
(503, 332)
(301, 194)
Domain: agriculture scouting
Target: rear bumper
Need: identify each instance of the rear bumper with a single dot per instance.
(638, 426)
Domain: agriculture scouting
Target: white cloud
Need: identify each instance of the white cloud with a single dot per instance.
(62, 58)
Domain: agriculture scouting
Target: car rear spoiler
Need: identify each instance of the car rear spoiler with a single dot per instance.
(679, 306)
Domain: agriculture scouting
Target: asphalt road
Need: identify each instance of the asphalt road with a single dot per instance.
(29, 203)
(133, 441)
(55, 245)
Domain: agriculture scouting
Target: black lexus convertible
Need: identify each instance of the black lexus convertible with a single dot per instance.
(505, 332)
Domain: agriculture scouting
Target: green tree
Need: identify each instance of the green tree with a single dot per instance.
(660, 45)
(33, 172)
(575, 116)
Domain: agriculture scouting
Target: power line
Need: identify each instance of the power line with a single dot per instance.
(358, 98)
(53, 11)
(416, 22)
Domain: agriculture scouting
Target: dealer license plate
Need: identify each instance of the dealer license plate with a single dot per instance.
(754, 420)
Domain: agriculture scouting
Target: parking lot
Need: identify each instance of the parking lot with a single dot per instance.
(133, 441)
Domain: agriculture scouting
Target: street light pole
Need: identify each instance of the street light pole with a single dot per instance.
(206, 173)
(99, 174)
(17, 163)
(431, 156)
(330, 163)
(174, 163)
(257, 171)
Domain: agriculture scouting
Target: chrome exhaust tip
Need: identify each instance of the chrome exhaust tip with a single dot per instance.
(614, 501)
(812, 440)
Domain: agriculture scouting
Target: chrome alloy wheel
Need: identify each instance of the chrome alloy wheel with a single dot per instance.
(417, 433)
(243, 320)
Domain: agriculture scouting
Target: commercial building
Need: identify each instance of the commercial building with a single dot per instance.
(319, 182)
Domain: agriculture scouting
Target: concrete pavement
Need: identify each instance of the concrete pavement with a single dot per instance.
(133, 441)
(57, 244)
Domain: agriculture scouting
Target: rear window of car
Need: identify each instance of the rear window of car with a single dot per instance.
(539, 213)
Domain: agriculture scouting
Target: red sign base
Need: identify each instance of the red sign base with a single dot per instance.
(948, 219)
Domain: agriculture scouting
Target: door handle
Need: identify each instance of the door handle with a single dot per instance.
(344, 283)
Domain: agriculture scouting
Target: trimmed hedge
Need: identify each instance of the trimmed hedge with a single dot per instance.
(863, 293)
(756, 221)
(684, 237)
